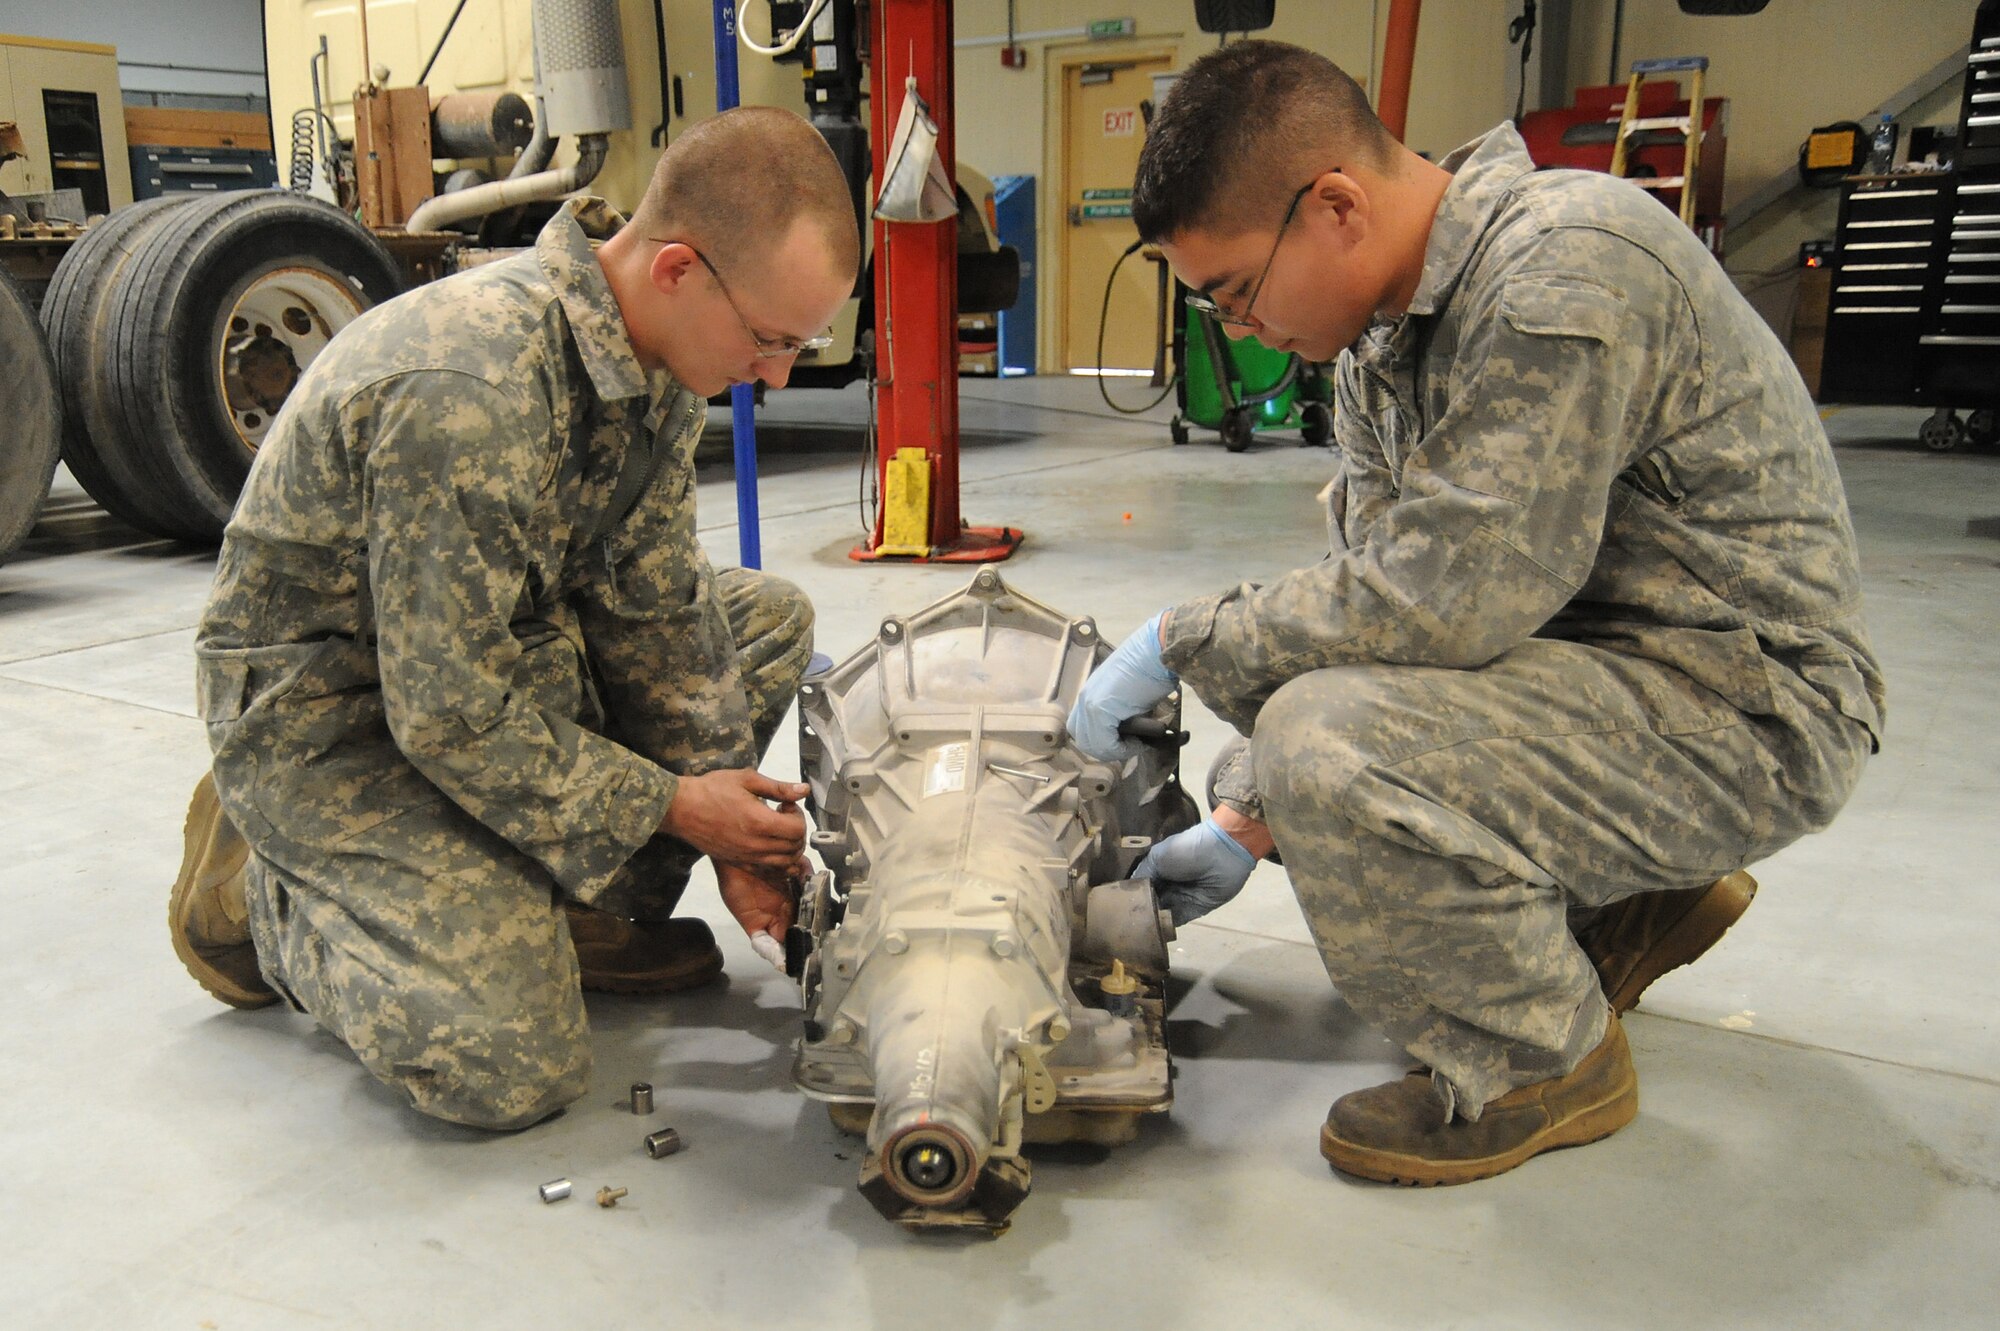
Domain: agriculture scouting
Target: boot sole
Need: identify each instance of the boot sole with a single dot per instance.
(202, 811)
(1592, 1123)
(656, 983)
(1693, 934)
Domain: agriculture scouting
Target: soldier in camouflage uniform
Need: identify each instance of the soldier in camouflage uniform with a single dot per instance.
(477, 701)
(1588, 640)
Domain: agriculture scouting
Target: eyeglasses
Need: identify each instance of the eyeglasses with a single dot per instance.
(1206, 301)
(768, 348)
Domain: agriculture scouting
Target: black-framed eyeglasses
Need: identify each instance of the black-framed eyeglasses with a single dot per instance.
(768, 348)
(1209, 305)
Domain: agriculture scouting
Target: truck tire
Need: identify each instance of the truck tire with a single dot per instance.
(224, 305)
(72, 319)
(32, 439)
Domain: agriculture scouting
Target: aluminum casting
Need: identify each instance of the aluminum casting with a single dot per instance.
(977, 887)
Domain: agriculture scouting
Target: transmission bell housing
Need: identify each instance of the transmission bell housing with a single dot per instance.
(953, 955)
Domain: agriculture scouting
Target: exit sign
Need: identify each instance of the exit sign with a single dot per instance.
(1121, 122)
(1100, 28)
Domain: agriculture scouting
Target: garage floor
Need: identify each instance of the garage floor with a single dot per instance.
(1818, 1142)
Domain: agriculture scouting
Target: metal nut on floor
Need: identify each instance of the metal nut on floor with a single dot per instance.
(642, 1097)
(607, 1197)
(663, 1143)
(555, 1190)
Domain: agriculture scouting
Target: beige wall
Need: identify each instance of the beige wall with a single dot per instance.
(1798, 64)
(1462, 83)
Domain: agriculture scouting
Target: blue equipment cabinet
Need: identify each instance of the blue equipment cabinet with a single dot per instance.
(1014, 217)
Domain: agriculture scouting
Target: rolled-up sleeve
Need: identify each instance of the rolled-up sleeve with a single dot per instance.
(453, 469)
(1494, 527)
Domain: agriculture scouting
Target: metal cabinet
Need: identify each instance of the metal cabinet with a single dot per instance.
(1959, 360)
(157, 171)
(1914, 317)
(1882, 274)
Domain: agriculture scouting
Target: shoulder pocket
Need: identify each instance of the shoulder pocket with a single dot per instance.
(1562, 307)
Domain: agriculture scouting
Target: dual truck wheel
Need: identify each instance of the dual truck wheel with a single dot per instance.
(175, 330)
(32, 436)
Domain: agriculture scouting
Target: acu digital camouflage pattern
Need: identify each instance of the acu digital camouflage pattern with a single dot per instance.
(1590, 624)
(447, 687)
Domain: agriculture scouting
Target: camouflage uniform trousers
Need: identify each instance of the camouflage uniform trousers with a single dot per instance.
(440, 954)
(1440, 826)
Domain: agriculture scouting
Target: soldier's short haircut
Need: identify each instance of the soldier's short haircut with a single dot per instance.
(1241, 130)
(733, 185)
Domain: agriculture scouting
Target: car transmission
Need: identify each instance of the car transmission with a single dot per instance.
(977, 970)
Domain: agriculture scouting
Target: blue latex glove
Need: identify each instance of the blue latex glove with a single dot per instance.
(1195, 871)
(1129, 682)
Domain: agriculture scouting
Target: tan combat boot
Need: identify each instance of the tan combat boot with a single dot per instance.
(1400, 1133)
(1635, 941)
(205, 912)
(623, 956)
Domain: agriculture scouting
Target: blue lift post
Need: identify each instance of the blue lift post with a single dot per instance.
(742, 397)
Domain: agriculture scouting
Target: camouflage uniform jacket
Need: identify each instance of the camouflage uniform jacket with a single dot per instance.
(428, 566)
(1578, 430)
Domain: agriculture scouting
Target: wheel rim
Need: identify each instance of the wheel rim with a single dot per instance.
(267, 338)
(1940, 435)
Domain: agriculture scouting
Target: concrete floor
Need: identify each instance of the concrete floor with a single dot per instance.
(1817, 1145)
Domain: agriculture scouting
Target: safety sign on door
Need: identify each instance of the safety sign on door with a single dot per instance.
(1121, 122)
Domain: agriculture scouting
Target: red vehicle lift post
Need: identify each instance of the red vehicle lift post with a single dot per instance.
(916, 294)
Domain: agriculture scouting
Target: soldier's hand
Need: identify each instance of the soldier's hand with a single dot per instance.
(1128, 683)
(724, 815)
(1195, 871)
(762, 900)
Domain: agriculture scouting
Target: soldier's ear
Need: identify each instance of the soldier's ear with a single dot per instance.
(1346, 196)
(671, 264)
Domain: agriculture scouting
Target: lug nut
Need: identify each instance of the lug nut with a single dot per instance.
(663, 1143)
(556, 1190)
(608, 1197)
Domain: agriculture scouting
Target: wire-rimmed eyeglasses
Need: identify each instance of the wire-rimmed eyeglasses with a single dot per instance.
(768, 348)
(1207, 303)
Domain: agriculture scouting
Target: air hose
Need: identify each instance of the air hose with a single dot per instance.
(1103, 315)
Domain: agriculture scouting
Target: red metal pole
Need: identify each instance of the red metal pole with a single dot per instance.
(916, 285)
(1399, 55)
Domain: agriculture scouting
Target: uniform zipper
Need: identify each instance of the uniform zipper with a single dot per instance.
(653, 465)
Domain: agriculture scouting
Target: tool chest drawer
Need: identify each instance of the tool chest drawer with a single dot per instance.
(1882, 296)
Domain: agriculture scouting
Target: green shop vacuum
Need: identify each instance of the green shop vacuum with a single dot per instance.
(1232, 387)
(1239, 387)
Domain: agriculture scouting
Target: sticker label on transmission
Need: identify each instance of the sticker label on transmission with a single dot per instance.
(945, 771)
